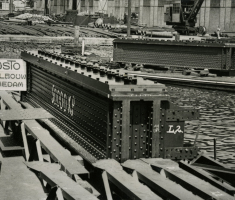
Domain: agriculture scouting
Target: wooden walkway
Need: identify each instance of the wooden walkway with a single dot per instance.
(166, 179)
(56, 153)
(18, 182)
(57, 178)
(141, 179)
(130, 185)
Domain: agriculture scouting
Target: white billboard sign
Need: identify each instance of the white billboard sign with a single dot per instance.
(13, 74)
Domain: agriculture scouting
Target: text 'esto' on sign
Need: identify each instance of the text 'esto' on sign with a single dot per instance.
(12, 74)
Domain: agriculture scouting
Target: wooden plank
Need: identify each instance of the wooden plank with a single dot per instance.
(190, 182)
(215, 168)
(207, 177)
(39, 150)
(23, 114)
(204, 159)
(18, 182)
(54, 149)
(106, 186)
(86, 185)
(2, 132)
(47, 158)
(126, 183)
(52, 175)
(3, 107)
(164, 187)
(65, 138)
(59, 194)
(9, 101)
(25, 142)
(225, 174)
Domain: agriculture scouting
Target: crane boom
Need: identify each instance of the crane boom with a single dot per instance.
(195, 10)
(182, 15)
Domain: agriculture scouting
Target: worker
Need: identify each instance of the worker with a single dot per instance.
(218, 32)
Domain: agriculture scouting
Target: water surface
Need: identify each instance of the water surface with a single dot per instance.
(217, 119)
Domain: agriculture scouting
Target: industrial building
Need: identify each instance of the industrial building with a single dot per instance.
(151, 12)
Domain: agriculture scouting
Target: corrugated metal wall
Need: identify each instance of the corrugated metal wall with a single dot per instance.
(151, 12)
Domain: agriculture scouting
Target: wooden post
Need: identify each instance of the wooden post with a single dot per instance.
(39, 150)
(76, 35)
(3, 107)
(129, 19)
(106, 186)
(83, 46)
(135, 175)
(59, 194)
(25, 142)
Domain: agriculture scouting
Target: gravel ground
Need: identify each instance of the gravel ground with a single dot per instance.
(13, 49)
(103, 51)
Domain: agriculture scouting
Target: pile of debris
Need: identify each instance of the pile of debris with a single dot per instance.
(33, 16)
(26, 17)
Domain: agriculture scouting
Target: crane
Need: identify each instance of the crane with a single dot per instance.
(182, 15)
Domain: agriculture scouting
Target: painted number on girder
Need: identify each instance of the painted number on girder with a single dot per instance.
(62, 100)
(172, 130)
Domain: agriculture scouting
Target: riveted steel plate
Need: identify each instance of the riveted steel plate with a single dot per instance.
(179, 153)
(171, 53)
(181, 115)
(24, 114)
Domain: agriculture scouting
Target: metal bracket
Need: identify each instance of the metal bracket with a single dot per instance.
(181, 115)
(179, 153)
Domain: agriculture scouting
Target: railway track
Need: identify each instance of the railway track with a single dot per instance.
(54, 31)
